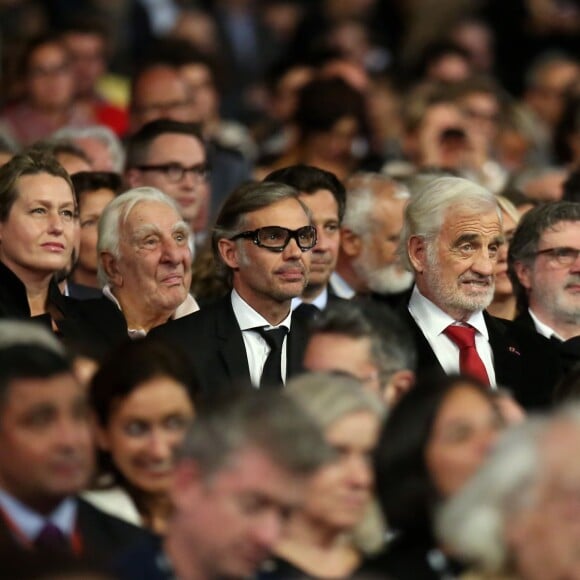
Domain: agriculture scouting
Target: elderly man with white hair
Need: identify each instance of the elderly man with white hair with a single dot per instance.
(518, 516)
(144, 268)
(451, 240)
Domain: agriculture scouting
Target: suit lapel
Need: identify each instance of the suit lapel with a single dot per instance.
(506, 356)
(426, 359)
(231, 344)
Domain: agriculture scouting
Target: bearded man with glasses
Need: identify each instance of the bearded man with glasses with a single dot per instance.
(262, 239)
(544, 265)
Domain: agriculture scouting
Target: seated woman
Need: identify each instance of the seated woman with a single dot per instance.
(143, 400)
(434, 440)
(37, 229)
(504, 300)
(337, 522)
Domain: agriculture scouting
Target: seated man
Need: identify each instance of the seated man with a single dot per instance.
(368, 342)
(452, 235)
(145, 267)
(46, 452)
(241, 471)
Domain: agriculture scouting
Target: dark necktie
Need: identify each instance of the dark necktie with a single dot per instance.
(51, 539)
(272, 374)
(469, 361)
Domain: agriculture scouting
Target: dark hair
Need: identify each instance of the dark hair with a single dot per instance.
(308, 180)
(31, 162)
(531, 227)
(404, 486)
(29, 361)
(568, 126)
(138, 144)
(438, 50)
(56, 147)
(89, 181)
(392, 346)
(323, 102)
(127, 367)
(34, 44)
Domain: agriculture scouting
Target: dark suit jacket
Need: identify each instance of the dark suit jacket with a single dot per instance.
(82, 292)
(103, 537)
(144, 561)
(213, 341)
(524, 362)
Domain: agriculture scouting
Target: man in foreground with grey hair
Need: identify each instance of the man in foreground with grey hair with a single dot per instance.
(145, 269)
(518, 516)
(241, 471)
(451, 239)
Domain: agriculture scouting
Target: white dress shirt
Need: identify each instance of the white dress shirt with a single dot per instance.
(320, 301)
(341, 287)
(433, 321)
(257, 349)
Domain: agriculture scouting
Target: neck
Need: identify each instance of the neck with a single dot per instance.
(345, 270)
(311, 293)
(317, 548)
(503, 307)
(155, 510)
(565, 328)
(273, 311)
(140, 317)
(85, 277)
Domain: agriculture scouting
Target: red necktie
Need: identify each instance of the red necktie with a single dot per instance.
(469, 361)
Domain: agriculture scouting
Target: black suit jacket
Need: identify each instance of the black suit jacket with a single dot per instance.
(524, 362)
(213, 342)
(103, 537)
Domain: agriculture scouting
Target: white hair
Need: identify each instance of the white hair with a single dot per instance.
(115, 216)
(100, 133)
(26, 332)
(472, 523)
(362, 189)
(426, 211)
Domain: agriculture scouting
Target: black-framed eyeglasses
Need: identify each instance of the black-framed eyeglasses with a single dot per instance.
(276, 238)
(562, 255)
(175, 172)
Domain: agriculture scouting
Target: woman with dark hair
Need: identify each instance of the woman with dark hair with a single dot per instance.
(143, 401)
(432, 443)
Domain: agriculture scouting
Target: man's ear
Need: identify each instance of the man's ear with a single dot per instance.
(110, 266)
(187, 478)
(417, 251)
(229, 252)
(350, 243)
(400, 382)
(101, 435)
(133, 178)
(524, 274)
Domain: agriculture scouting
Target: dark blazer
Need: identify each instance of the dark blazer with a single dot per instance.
(82, 292)
(96, 322)
(213, 341)
(103, 537)
(524, 362)
(144, 561)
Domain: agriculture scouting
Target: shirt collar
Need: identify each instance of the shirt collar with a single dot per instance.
(423, 309)
(31, 523)
(320, 301)
(248, 318)
(341, 287)
(544, 329)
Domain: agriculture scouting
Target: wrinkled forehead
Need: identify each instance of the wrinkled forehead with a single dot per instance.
(153, 216)
(289, 213)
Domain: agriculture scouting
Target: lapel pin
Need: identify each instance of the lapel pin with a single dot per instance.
(513, 350)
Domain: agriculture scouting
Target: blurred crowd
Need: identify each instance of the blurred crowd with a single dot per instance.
(289, 289)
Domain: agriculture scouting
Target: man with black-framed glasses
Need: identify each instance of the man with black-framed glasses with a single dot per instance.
(262, 240)
(170, 156)
(544, 264)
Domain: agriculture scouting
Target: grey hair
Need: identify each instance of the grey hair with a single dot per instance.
(268, 421)
(25, 332)
(361, 192)
(100, 133)
(426, 211)
(328, 397)
(115, 216)
(531, 227)
(472, 522)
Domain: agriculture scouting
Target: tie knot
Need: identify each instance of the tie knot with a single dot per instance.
(274, 337)
(51, 538)
(462, 336)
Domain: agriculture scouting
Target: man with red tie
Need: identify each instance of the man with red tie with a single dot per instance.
(46, 453)
(452, 235)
